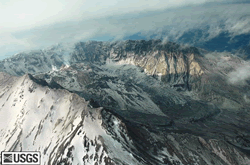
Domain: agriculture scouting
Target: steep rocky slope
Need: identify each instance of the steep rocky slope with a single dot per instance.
(68, 130)
(171, 61)
(173, 104)
(60, 124)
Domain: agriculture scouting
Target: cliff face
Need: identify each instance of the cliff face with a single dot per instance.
(182, 68)
(161, 60)
(67, 129)
(172, 68)
(174, 64)
(162, 103)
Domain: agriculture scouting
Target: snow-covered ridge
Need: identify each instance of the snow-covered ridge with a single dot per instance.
(67, 130)
(58, 123)
(175, 105)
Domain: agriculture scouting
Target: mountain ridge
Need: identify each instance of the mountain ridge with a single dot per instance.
(117, 97)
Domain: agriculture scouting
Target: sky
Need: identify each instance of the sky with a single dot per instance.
(33, 24)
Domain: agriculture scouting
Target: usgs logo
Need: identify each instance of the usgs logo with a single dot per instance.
(20, 158)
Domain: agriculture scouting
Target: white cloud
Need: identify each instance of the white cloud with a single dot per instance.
(18, 14)
(29, 24)
(240, 75)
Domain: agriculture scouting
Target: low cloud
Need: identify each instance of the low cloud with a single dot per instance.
(240, 75)
(236, 69)
(59, 21)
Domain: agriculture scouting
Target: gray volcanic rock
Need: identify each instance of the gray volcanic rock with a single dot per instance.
(60, 124)
(162, 104)
(66, 130)
(174, 63)
(125, 89)
(35, 61)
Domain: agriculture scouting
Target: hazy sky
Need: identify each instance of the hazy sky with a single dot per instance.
(31, 24)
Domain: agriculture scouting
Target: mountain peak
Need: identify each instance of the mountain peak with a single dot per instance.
(145, 100)
(42, 82)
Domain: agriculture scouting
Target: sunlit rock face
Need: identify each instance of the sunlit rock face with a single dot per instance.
(173, 63)
(126, 102)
